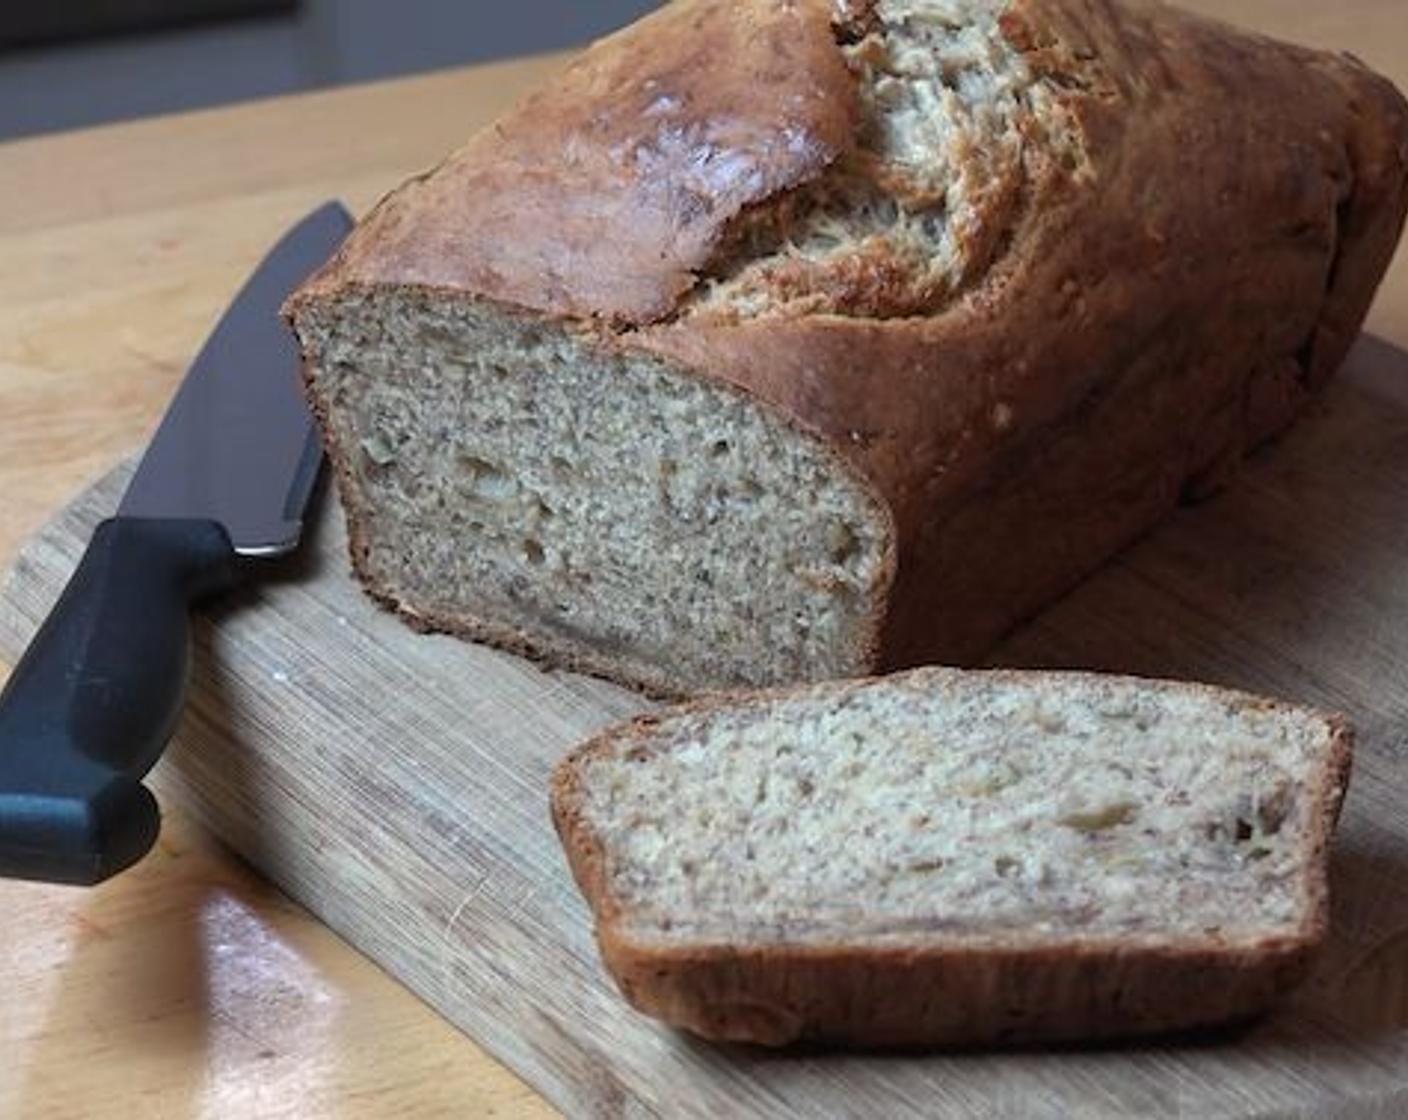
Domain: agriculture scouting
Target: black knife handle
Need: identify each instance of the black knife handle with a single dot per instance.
(97, 696)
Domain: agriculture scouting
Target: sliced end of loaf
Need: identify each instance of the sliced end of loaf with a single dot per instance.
(518, 482)
(942, 857)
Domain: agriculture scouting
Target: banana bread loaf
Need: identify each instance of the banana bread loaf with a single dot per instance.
(787, 341)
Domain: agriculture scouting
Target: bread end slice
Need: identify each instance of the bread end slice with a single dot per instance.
(942, 858)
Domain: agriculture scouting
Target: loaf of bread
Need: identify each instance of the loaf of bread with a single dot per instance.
(957, 858)
(789, 341)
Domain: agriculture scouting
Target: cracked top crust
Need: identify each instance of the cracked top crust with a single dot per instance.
(603, 196)
(726, 161)
(723, 162)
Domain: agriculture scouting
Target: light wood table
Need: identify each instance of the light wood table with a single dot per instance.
(187, 987)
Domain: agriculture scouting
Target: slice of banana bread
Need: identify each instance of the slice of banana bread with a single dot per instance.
(942, 857)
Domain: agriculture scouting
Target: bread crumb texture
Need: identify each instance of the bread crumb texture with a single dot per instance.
(1018, 809)
(954, 126)
(601, 503)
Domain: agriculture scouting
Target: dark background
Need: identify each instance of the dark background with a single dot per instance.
(70, 63)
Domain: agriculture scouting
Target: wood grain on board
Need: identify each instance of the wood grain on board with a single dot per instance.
(395, 784)
(191, 986)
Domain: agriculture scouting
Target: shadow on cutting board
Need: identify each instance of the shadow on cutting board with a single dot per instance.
(1363, 980)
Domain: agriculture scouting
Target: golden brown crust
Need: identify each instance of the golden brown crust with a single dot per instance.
(601, 197)
(1211, 271)
(1155, 313)
(944, 991)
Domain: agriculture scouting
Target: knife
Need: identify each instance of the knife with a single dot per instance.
(98, 693)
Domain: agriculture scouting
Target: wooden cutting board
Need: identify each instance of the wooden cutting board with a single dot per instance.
(395, 784)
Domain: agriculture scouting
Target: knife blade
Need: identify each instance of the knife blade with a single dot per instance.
(98, 693)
